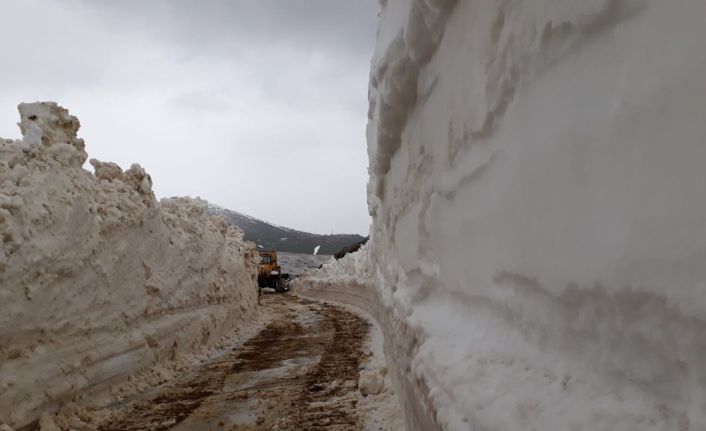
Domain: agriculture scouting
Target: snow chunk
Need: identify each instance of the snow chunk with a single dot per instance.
(370, 383)
(47, 124)
(106, 170)
(46, 423)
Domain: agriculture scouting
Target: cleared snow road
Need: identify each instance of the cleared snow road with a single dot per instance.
(299, 373)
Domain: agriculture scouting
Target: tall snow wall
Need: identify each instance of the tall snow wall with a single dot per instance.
(97, 278)
(538, 194)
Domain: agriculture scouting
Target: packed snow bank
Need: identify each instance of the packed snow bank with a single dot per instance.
(538, 194)
(350, 281)
(97, 278)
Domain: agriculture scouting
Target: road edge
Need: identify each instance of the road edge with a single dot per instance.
(399, 342)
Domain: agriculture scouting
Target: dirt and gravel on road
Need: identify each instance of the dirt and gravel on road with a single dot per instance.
(299, 373)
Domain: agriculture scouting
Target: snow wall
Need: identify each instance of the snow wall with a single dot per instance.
(538, 194)
(97, 278)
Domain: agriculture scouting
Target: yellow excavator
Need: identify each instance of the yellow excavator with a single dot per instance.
(269, 273)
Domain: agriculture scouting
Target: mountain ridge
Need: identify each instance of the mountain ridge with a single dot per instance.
(271, 236)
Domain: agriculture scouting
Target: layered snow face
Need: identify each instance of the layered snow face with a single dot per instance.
(97, 278)
(539, 204)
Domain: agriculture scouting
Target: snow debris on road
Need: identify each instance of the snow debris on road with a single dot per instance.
(537, 193)
(371, 383)
(98, 279)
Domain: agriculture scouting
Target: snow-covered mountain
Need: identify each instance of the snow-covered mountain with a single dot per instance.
(269, 236)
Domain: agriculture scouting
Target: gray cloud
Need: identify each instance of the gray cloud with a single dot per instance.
(215, 98)
(341, 27)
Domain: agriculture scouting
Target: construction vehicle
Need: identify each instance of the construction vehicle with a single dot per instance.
(269, 273)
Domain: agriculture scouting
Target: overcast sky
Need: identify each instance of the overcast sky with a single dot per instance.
(259, 106)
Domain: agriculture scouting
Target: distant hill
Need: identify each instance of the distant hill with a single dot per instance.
(270, 236)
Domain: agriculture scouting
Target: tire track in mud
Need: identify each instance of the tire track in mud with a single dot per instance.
(299, 373)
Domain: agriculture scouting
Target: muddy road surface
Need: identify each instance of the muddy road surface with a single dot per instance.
(299, 373)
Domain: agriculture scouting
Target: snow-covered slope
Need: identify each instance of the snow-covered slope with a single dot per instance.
(98, 279)
(295, 264)
(272, 237)
(539, 200)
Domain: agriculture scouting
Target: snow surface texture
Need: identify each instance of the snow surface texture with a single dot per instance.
(98, 279)
(539, 199)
